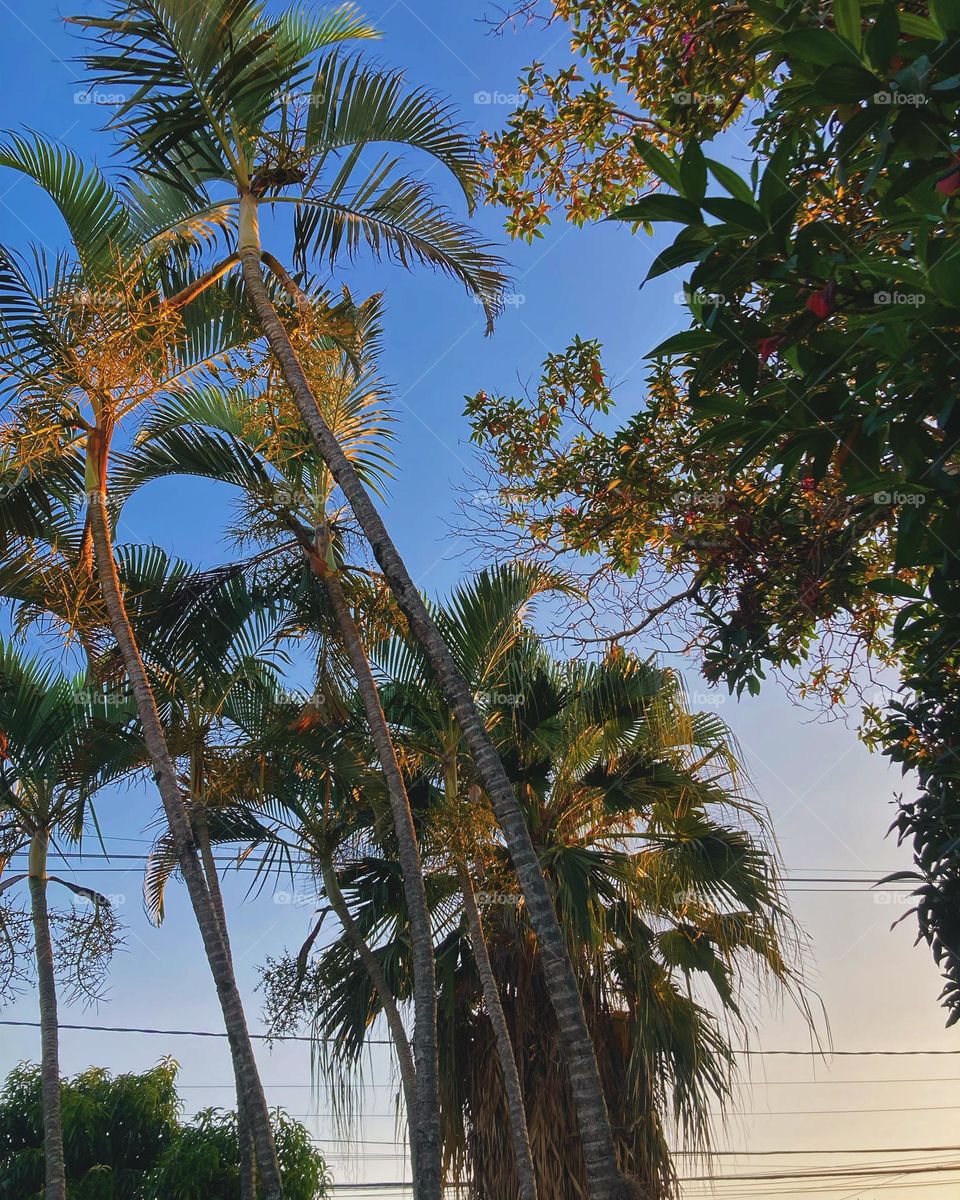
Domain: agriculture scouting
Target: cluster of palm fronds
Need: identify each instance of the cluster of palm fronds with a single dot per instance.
(548, 884)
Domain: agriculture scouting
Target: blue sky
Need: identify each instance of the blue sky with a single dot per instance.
(830, 800)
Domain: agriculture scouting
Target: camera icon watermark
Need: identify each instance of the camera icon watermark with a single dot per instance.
(108, 99)
(708, 500)
(699, 296)
(111, 899)
(900, 499)
(497, 900)
(911, 299)
(900, 99)
(500, 699)
(296, 899)
(513, 300)
(695, 100)
(103, 698)
(513, 99)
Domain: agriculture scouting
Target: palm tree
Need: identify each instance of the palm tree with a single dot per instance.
(224, 435)
(482, 623)
(262, 768)
(671, 902)
(209, 646)
(56, 752)
(87, 338)
(607, 758)
(210, 108)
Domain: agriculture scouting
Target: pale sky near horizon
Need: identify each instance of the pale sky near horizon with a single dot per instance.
(830, 801)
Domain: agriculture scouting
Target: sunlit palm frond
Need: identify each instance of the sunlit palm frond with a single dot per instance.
(307, 30)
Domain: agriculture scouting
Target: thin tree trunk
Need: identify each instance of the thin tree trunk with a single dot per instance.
(408, 1074)
(241, 1048)
(247, 1154)
(426, 1120)
(604, 1179)
(54, 1165)
(526, 1175)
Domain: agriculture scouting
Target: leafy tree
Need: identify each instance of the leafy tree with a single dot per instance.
(125, 1141)
(287, 491)
(794, 473)
(637, 70)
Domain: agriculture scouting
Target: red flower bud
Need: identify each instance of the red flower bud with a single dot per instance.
(951, 181)
(821, 303)
(769, 345)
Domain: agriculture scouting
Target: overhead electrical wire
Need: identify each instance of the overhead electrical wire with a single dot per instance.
(290, 1037)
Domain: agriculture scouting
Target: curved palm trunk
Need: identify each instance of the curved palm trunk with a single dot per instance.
(221, 968)
(604, 1178)
(526, 1175)
(54, 1166)
(426, 1120)
(246, 1149)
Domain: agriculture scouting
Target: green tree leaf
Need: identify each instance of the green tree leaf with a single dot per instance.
(848, 20)
(843, 83)
(659, 208)
(946, 13)
(659, 163)
(693, 173)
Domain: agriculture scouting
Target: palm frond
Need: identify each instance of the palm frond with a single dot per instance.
(354, 104)
(308, 31)
(396, 217)
(90, 205)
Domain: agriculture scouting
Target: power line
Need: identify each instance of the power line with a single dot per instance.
(846, 1053)
(818, 1152)
(753, 1177)
(293, 1037)
(727, 1113)
(814, 1153)
(794, 875)
(731, 1115)
(203, 1033)
(797, 874)
(793, 890)
(851, 1082)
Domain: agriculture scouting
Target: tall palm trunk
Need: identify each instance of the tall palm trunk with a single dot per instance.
(246, 1149)
(526, 1175)
(426, 1123)
(221, 968)
(54, 1166)
(604, 1178)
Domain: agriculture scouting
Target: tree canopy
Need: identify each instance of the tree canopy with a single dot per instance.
(791, 479)
(124, 1140)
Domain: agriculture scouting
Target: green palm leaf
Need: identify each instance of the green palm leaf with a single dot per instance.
(91, 207)
(398, 218)
(356, 105)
